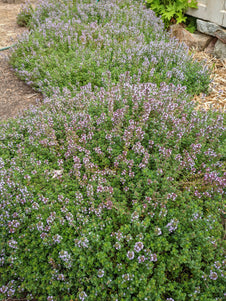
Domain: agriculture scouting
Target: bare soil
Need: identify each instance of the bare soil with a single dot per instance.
(15, 95)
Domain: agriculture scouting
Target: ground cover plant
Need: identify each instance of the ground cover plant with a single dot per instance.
(71, 45)
(25, 14)
(113, 190)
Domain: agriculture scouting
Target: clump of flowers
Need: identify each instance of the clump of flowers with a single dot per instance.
(124, 212)
(72, 44)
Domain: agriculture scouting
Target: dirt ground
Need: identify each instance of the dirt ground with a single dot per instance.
(15, 95)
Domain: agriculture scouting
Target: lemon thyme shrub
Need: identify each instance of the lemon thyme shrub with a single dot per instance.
(72, 44)
(113, 194)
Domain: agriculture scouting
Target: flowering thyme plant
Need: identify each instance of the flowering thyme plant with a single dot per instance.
(135, 213)
(110, 191)
(72, 44)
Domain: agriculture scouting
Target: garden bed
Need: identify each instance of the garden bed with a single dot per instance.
(113, 189)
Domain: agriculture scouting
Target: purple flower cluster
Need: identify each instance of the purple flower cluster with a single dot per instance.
(66, 258)
(130, 255)
(213, 275)
(100, 273)
(110, 36)
(82, 296)
(138, 246)
(172, 225)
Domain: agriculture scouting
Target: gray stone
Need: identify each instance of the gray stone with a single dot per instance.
(207, 27)
(221, 35)
(210, 48)
(220, 50)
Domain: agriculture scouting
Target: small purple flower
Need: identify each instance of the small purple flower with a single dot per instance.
(82, 296)
(126, 277)
(100, 273)
(12, 244)
(217, 265)
(130, 255)
(128, 237)
(141, 258)
(60, 277)
(138, 246)
(11, 292)
(57, 238)
(40, 226)
(213, 275)
(172, 225)
(66, 257)
(153, 257)
(118, 236)
(158, 231)
(117, 246)
(3, 289)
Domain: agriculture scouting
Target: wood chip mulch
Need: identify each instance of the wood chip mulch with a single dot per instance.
(216, 98)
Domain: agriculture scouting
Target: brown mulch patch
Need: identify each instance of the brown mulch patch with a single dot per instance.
(216, 97)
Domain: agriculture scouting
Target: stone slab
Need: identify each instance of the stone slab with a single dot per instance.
(221, 35)
(212, 29)
(207, 27)
(210, 10)
(220, 50)
(210, 48)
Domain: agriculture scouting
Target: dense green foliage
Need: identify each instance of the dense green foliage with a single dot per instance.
(171, 9)
(113, 190)
(73, 49)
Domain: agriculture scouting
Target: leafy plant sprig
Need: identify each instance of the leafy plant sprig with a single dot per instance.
(171, 9)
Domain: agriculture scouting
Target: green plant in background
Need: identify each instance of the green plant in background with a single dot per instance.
(171, 9)
(191, 24)
(25, 15)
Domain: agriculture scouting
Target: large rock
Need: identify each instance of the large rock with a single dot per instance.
(221, 35)
(207, 27)
(210, 48)
(212, 29)
(220, 50)
(192, 40)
